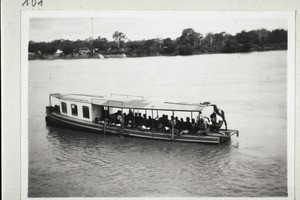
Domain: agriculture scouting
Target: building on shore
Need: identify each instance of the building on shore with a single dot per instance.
(58, 53)
(81, 52)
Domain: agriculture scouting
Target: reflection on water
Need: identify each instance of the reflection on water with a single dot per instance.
(250, 87)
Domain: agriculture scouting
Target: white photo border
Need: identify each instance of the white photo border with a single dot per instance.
(289, 15)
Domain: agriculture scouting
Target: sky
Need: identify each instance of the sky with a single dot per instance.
(148, 26)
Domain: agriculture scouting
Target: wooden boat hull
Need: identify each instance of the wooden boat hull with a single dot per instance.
(54, 118)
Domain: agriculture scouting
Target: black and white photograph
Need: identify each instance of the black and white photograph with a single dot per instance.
(157, 104)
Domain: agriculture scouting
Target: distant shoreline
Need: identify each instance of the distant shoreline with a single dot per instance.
(109, 56)
(189, 42)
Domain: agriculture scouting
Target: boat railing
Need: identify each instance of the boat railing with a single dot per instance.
(127, 95)
(115, 103)
(189, 104)
(74, 99)
(98, 101)
(55, 95)
(105, 102)
(88, 95)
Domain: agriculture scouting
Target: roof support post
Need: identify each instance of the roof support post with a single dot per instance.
(152, 122)
(173, 124)
(122, 123)
(133, 119)
(49, 100)
(105, 120)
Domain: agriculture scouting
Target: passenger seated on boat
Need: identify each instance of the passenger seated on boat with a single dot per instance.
(136, 119)
(180, 124)
(104, 120)
(130, 114)
(201, 116)
(160, 123)
(56, 108)
(219, 125)
(194, 125)
(177, 126)
(216, 122)
(120, 118)
(129, 124)
(160, 127)
(112, 119)
(172, 122)
(125, 120)
(220, 113)
(144, 123)
(203, 127)
(149, 122)
(186, 127)
(155, 121)
(161, 119)
(139, 120)
(172, 119)
(166, 123)
(144, 120)
(213, 119)
(99, 120)
(128, 120)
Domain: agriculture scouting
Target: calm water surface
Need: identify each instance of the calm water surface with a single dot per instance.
(251, 88)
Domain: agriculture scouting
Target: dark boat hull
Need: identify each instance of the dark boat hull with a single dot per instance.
(54, 118)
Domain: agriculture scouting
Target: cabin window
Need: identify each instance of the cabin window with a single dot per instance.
(74, 109)
(85, 112)
(63, 107)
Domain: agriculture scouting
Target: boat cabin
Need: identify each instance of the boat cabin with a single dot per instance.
(133, 115)
(96, 108)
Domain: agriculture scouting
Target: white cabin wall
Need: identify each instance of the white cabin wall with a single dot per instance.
(96, 112)
(79, 110)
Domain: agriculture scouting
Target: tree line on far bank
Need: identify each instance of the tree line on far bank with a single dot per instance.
(190, 42)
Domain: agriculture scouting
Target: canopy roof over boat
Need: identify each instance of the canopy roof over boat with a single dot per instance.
(140, 104)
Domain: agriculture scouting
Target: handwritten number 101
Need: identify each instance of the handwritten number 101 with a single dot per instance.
(33, 3)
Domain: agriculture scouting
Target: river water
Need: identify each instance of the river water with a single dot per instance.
(251, 88)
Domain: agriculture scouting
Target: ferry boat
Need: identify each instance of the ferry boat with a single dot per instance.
(122, 116)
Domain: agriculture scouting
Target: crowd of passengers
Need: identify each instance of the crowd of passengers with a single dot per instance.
(202, 124)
